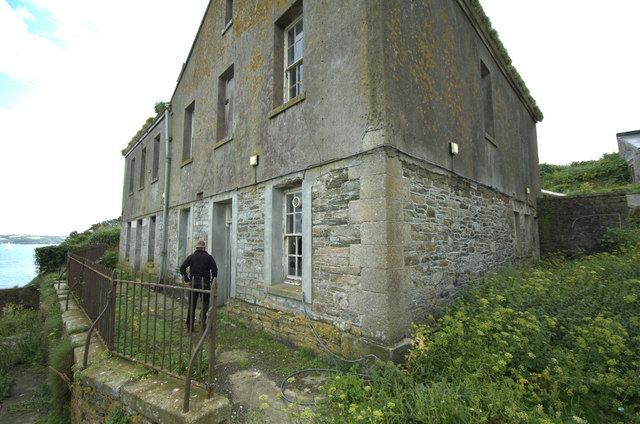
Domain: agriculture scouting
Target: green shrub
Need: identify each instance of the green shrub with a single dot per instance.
(20, 343)
(553, 343)
(109, 259)
(105, 235)
(50, 258)
(608, 173)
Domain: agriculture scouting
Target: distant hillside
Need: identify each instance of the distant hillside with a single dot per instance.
(28, 239)
(608, 173)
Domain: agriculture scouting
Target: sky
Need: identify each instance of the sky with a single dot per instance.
(78, 78)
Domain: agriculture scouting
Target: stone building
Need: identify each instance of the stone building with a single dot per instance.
(629, 150)
(399, 165)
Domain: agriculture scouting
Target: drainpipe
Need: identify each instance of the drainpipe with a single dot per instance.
(165, 195)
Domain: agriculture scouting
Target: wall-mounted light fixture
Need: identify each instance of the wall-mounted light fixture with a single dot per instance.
(253, 161)
(453, 148)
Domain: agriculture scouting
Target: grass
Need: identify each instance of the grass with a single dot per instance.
(26, 339)
(558, 342)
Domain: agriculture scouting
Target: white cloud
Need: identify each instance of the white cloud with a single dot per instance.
(62, 168)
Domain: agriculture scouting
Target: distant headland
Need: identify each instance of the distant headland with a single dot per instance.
(29, 239)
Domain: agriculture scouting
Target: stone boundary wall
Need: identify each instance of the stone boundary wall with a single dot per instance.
(110, 381)
(574, 223)
(25, 297)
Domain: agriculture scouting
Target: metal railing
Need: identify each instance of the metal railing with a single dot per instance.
(148, 322)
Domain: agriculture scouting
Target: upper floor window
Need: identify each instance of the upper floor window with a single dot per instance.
(225, 104)
(228, 13)
(143, 161)
(156, 158)
(188, 131)
(486, 96)
(132, 173)
(293, 60)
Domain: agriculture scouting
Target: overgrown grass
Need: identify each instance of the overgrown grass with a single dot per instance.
(20, 344)
(610, 172)
(555, 343)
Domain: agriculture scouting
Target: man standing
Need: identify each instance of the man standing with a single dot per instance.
(202, 269)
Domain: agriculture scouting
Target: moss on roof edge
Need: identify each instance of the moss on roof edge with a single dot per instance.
(500, 50)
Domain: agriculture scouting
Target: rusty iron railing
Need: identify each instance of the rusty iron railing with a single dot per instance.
(143, 320)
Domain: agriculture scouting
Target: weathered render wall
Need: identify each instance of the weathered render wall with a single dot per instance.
(323, 125)
(432, 88)
(577, 223)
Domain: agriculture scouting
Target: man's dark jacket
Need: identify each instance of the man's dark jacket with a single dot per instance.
(200, 263)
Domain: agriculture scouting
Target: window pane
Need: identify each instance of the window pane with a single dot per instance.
(290, 229)
(291, 245)
(290, 48)
(291, 266)
(297, 50)
(299, 29)
(298, 223)
(299, 266)
(289, 200)
(299, 246)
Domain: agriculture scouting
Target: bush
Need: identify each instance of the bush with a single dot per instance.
(50, 258)
(105, 235)
(557, 342)
(109, 259)
(607, 173)
(20, 343)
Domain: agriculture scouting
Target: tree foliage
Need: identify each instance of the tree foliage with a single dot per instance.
(50, 258)
(607, 173)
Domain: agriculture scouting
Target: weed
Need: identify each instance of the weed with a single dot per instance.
(555, 342)
(117, 416)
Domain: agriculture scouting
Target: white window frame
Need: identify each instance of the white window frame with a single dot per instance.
(290, 213)
(295, 65)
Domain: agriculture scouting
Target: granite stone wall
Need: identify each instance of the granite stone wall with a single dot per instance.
(459, 231)
(577, 223)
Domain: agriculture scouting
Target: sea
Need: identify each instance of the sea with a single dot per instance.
(17, 264)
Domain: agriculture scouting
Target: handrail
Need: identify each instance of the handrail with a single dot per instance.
(93, 326)
(211, 326)
(78, 281)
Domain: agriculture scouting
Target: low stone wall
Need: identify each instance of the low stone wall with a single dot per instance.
(578, 223)
(110, 382)
(294, 330)
(25, 297)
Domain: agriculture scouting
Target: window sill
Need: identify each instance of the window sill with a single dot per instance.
(490, 139)
(223, 142)
(186, 162)
(141, 188)
(278, 110)
(155, 180)
(227, 26)
(285, 290)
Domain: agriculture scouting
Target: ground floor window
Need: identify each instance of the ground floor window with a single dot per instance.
(293, 236)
